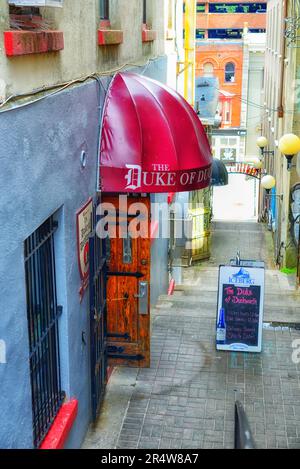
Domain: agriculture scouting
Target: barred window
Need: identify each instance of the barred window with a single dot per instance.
(43, 314)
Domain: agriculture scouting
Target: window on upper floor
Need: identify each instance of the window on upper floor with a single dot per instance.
(258, 7)
(36, 3)
(25, 14)
(200, 8)
(208, 69)
(200, 33)
(225, 33)
(230, 72)
(144, 11)
(104, 9)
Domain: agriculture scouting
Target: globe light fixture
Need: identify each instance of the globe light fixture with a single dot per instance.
(257, 163)
(289, 145)
(268, 182)
(262, 142)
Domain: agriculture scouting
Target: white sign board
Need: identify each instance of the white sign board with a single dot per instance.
(241, 295)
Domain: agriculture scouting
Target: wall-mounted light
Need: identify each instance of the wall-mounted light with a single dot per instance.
(289, 145)
(262, 142)
(268, 182)
(255, 162)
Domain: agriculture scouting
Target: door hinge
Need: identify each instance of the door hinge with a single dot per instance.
(125, 274)
(127, 357)
(119, 336)
(114, 349)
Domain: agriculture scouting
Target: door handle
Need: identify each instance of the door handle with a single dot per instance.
(143, 297)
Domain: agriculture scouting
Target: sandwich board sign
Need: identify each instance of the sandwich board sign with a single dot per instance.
(241, 305)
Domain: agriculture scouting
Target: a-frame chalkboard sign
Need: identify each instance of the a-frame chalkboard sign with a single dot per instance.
(241, 295)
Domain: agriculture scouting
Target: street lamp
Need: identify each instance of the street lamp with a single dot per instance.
(262, 142)
(289, 145)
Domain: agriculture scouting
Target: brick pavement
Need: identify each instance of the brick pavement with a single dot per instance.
(186, 399)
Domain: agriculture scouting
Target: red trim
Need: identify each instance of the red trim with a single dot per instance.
(61, 427)
(148, 35)
(171, 196)
(154, 226)
(104, 24)
(110, 370)
(109, 37)
(171, 287)
(32, 42)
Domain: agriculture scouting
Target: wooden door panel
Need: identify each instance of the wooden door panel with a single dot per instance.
(128, 330)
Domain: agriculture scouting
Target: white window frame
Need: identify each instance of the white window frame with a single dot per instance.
(36, 3)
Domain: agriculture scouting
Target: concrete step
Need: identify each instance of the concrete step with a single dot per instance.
(186, 299)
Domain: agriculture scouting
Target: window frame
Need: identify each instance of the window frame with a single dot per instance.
(227, 72)
(104, 9)
(144, 11)
(36, 3)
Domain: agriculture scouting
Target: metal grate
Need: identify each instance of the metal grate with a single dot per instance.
(43, 313)
(98, 317)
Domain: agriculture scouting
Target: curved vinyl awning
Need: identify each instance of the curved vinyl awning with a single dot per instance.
(219, 173)
(152, 140)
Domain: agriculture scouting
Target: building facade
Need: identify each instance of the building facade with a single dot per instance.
(229, 49)
(56, 63)
(281, 116)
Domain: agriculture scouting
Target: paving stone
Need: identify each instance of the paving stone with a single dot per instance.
(186, 399)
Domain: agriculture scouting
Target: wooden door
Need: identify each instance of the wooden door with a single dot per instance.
(128, 286)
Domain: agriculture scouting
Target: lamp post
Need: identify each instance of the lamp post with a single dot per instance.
(289, 145)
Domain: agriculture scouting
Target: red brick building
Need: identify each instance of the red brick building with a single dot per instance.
(219, 52)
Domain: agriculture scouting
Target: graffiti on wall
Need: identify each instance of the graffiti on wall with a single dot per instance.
(295, 212)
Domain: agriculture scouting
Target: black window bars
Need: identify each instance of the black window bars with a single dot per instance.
(43, 313)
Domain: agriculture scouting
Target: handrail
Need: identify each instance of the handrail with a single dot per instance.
(243, 438)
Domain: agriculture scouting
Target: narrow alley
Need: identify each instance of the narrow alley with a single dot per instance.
(150, 275)
(186, 399)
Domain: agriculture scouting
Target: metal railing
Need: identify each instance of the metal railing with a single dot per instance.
(243, 438)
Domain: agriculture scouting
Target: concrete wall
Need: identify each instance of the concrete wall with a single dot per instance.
(40, 147)
(79, 21)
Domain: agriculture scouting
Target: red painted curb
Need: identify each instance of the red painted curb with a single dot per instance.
(61, 427)
(171, 287)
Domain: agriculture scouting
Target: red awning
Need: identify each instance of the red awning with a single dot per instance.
(152, 140)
